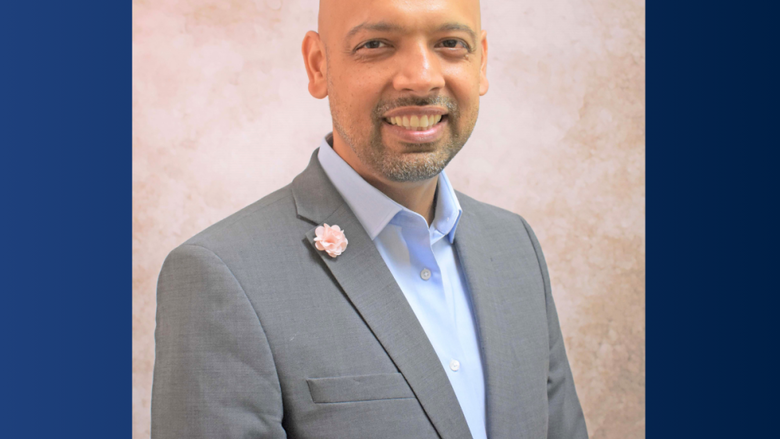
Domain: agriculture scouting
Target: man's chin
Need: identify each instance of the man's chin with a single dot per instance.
(417, 148)
(413, 165)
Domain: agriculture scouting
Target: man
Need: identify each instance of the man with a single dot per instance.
(368, 299)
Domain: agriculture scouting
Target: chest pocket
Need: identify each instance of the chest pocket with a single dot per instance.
(359, 388)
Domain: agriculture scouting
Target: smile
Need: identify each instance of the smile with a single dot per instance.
(415, 122)
(416, 128)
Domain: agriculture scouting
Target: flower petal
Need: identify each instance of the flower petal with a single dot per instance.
(330, 239)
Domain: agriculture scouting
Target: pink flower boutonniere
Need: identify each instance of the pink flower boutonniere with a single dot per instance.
(330, 239)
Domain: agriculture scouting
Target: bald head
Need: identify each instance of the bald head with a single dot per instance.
(339, 16)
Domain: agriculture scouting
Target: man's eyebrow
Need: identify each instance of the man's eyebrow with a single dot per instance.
(380, 26)
(384, 26)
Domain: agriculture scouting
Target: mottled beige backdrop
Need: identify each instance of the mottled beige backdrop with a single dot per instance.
(222, 116)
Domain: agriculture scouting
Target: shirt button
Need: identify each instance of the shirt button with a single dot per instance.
(425, 274)
(454, 365)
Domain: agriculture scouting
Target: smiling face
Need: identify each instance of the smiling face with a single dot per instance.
(403, 80)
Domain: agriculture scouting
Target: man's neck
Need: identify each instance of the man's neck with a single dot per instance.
(417, 196)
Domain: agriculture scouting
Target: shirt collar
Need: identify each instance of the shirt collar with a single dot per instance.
(373, 208)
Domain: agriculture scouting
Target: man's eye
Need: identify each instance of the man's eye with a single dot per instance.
(372, 45)
(452, 44)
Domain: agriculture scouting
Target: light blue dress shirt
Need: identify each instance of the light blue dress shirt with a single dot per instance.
(427, 269)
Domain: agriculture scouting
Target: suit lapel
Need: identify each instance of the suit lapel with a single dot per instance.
(486, 260)
(368, 283)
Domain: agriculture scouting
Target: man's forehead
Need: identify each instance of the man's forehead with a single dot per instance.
(344, 18)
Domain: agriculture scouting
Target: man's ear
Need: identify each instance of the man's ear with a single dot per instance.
(483, 81)
(316, 67)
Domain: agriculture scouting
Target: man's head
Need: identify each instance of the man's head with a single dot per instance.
(388, 65)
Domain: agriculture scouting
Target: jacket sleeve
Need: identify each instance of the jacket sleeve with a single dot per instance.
(566, 420)
(214, 375)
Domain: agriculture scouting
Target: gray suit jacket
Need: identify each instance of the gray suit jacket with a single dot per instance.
(259, 335)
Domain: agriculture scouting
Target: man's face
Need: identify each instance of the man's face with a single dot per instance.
(404, 80)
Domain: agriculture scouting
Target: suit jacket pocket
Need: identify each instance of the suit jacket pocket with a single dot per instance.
(359, 388)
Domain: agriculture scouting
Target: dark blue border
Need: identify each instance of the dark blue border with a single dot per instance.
(65, 137)
(711, 240)
(65, 106)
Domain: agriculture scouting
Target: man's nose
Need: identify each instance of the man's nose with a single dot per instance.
(419, 72)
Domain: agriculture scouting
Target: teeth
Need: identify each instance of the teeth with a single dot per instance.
(418, 123)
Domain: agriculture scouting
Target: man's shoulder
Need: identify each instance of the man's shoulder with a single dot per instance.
(488, 213)
(272, 215)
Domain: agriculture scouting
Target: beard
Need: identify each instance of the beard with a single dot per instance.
(422, 161)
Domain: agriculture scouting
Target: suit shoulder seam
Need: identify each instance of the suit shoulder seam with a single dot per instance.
(483, 205)
(280, 197)
(232, 219)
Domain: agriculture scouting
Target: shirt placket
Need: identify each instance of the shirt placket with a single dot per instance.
(432, 294)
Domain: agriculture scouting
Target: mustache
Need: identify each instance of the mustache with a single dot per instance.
(412, 101)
